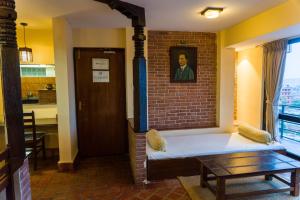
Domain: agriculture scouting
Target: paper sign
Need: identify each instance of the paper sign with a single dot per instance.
(100, 76)
(100, 63)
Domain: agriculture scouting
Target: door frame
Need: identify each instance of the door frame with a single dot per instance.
(75, 84)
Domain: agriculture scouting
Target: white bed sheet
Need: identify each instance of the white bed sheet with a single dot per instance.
(207, 144)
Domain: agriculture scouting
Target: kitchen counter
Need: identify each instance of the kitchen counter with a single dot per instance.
(38, 105)
(45, 114)
(46, 121)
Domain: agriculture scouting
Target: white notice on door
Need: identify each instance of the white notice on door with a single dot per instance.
(100, 76)
(101, 63)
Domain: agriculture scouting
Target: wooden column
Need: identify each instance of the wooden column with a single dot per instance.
(137, 15)
(11, 83)
(140, 82)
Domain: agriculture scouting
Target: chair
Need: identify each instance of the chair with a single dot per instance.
(34, 140)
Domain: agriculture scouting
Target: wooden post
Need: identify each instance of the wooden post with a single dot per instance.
(220, 190)
(10, 194)
(140, 82)
(295, 182)
(203, 175)
(11, 84)
(137, 15)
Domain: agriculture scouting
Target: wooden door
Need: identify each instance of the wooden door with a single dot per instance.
(101, 104)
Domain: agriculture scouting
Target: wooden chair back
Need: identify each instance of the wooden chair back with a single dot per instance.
(29, 123)
(34, 141)
(5, 175)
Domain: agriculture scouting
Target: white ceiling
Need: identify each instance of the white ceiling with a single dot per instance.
(179, 15)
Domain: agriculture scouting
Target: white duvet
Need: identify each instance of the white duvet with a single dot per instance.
(181, 146)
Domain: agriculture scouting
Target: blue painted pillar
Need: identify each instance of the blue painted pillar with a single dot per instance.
(140, 82)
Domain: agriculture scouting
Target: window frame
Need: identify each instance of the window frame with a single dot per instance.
(280, 116)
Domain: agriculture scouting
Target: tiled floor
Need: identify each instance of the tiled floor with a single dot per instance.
(98, 179)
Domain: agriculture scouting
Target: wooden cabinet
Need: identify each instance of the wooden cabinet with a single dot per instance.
(47, 96)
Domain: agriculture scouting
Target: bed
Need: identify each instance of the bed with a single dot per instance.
(179, 158)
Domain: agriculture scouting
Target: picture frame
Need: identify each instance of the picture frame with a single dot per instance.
(183, 64)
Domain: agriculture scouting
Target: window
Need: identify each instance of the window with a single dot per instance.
(289, 104)
(37, 70)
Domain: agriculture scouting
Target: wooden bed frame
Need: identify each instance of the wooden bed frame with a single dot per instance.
(172, 168)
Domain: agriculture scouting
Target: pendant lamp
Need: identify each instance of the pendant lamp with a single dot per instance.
(25, 53)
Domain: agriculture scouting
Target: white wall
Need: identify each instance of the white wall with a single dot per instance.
(111, 38)
(63, 46)
(225, 85)
(65, 38)
(250, 86)
(129, 72)
(101, 38)
(226, 89)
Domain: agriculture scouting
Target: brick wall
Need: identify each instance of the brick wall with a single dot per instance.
(181, 105)
(137, 154)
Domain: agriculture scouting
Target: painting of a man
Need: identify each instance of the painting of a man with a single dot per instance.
(183, 64)
(183, 72)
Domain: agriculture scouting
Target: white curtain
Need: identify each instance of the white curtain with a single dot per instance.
(274, 66)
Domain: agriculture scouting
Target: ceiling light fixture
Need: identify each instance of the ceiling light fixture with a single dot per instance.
(25, 53)
(212, 12)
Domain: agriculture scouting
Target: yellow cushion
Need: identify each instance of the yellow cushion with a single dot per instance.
(254, 134)
(155, 140)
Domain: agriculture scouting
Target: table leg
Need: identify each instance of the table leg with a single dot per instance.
(220, 193)
(203, 176)
(295, 179)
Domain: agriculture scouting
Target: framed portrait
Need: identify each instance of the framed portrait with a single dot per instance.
(183, 64)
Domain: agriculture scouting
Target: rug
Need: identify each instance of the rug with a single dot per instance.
(192, 186)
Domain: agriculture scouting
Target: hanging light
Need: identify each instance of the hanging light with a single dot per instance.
(25, 53)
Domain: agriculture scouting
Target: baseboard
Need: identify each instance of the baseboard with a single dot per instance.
(69, 166)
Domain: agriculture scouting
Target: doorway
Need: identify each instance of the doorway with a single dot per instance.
(100, 101)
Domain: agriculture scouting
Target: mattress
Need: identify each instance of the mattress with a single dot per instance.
(182, 146)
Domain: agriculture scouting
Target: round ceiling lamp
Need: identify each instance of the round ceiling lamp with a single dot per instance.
(25, 53)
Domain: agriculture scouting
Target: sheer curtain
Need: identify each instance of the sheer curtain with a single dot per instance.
(273, 65)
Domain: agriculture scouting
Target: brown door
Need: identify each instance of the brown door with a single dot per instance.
(100, 99)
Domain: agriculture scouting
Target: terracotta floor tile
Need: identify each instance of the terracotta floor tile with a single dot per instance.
(107, 178)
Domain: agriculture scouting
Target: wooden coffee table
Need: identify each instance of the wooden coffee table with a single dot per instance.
(248, 164)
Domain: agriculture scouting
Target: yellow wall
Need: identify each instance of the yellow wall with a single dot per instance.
(272, 20)
(250, 86)
(41, 42)
(1, 104)
(278, 22)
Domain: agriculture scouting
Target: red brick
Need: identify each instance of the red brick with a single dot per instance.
(181, 105)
